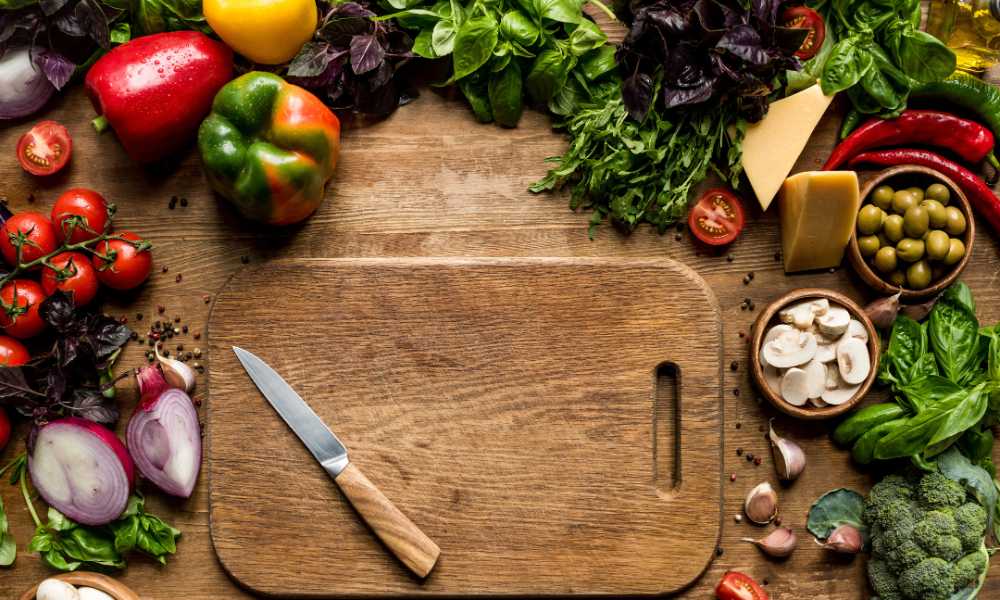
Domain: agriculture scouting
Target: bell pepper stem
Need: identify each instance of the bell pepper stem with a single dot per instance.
(992, 159)
(100, 123)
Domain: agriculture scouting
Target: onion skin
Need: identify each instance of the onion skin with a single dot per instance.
(161, 431)
(35, 93)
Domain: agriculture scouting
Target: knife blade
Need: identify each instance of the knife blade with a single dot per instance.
(411, 545)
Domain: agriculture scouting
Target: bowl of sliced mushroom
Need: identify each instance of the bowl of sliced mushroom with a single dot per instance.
(815, 353)
(80, 585)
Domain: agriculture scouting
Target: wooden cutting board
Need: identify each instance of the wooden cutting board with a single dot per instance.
(553, 424)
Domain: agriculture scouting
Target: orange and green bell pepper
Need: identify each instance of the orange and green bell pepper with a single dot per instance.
(269, 147)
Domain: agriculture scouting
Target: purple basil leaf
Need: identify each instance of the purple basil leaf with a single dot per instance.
(90, 404)
(367, 53)
(311, 60)
(381, 76)
(94, 22)
(57, 68)
(637, 94)
(744, 41)
(344, 22)
(692, 95)
(51, 7)
(766, 12)
(789, 39)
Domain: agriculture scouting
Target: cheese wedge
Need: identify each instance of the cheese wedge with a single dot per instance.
(818, 210)
(772, 146)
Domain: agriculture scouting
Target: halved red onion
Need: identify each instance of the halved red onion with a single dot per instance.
(24, 88)
(82, 470)
(164, 439)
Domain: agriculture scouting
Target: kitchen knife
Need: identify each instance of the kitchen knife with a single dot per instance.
(417, 551)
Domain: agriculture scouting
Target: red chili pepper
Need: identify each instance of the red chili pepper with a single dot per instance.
(967, 139)
(155, 90)
(982, 198)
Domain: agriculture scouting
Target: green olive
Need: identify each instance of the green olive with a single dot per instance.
(918, 276)
(902, 200)
(897, 278)
(870, 219)
(937, 244)
(955, 224)
(910, 250)
(885, 259)
(915, 221)
(884, 242)
(893, 228)
(918, 193)
(956, 250)
(939, 192)
(869, 245)
(936, 213)
(882, 197)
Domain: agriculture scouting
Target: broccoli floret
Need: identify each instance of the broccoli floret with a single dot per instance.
(970, 522)
(929, 580)
(936, 491)
(893, 513)
(937, 534)
(905, 555)
(967, 570)
(892, 487)
(883, 580)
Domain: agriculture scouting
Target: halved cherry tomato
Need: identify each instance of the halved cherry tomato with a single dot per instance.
(45, 148)
(717, 217)
(37, 235)
(4, 429)
(737, 586)
(12, 353)
(20, 318)
(84, 210)
(74, 275)
(128, 267)
(802, 17)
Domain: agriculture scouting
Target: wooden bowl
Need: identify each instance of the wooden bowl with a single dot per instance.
(769, 318)
(111, 587)
(901, 177)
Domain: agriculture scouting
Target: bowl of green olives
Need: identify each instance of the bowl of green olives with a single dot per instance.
(913, 234)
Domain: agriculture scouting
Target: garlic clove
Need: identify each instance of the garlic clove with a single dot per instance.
(789, 459)
(761, 504)
(778, 544)
(845, 539)
(177, 374)
(883, 311)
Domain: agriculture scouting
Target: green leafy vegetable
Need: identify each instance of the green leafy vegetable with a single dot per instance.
(955, 466)
(835, 508)
(137, 530)
(154, 16)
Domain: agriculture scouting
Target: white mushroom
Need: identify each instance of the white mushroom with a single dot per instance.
(790, 349)
(840, 394)
(56, 589)
(87, 593)
(815, 378)
(853, 360)
(800, 314)
(833, 376)
(855, 329)
(818, 402)
(819, 306)
(772, 377)
(795, 386)
(775, 331)
(834, 323)
(826, 348)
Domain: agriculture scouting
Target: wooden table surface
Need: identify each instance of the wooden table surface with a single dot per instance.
(431, 182)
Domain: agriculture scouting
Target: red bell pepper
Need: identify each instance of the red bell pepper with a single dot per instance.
(155, 90)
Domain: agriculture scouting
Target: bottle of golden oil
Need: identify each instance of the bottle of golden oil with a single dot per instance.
(969, 27)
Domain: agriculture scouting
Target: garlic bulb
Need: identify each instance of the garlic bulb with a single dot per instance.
(761, 504)
(789, 459)
(779, 543)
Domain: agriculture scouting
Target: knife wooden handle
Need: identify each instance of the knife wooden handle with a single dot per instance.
(410, 545)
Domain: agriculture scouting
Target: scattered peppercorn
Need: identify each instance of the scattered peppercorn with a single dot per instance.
(177, 319)
(180, 347)
(746, 280)
(732, 477)
(206, 298)
(730, 258)
(757, 461)
(184, 201)
(736, 391)
(197, 336)
(678, 237)
(138, 316)
(184, 328)
(777, 256)
(738, 518)
(739, 452)
(161, 309)
(164, 269)
(31, 198)
(749, 456)
(178, 278)
(245, 259)
(719, 551)
(734, 366)
(739, 425)
(777, 521)
(172, 203)
(197, 352)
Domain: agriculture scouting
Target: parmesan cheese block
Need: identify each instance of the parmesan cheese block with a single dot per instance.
(772, 146)
(818, 210)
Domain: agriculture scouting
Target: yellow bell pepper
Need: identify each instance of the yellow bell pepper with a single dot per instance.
(269, 32)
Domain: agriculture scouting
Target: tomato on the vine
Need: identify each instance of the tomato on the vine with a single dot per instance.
(45, 148)
(717, 217)
(127, 266)
(73, 274)
(12, 353)
(36, 233)
(737, 586)
(803, 17)
(19, 309)
(84, 210)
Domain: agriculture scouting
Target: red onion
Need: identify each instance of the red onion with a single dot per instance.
(24, 88)
(82, 470)
(163, 435)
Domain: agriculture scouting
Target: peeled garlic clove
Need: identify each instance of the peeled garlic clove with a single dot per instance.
(177, 374)
(761, 504)
(56, 589)
(789, 459)
(87, 593)
(845, 539)
(779, 543)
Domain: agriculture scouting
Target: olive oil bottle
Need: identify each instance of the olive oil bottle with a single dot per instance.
(969, 27)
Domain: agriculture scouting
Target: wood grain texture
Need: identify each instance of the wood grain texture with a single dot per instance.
(493, 401)
(410, 545)
(430, 181)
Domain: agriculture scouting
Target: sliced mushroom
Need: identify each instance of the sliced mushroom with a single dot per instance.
(819, 306)
(772, 377)
(834, 323)
(815, 378)
(853, 360)
(826, 348)
(855, 329)
(818, 402)
(800, 314)
(790, 349)
(795, 386)
(833, 380)
(775, 331)
(840, 394)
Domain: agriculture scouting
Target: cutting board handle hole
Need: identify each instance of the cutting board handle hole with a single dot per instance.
(666, 425)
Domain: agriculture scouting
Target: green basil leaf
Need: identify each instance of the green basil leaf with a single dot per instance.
(907, 344)
(570, 98)
(517, 27)
(923, 57)
(960, 294)
(977, 444)
(414, 18)
(563, 11)
(473, 46)
(156, 538)
(443, 38)
(548, 75)
(847, 64)
(598, 62)
(954, 338)
(586, 37)
(913, 436)
(403, 4)
(500, 61)
(120, 33)
(126, 532)
(8, 549)
(966, 414)
(55, 559)
(505, 95)
(924, 391)
(422, 45)
(957, 467)
(457, 12)
(475, 91)
(59, 521)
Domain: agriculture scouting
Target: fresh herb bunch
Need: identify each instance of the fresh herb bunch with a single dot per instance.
(634, 172)
(154, 16)
(879, 53)
(353, 61)
(504, 50)
(706, 52)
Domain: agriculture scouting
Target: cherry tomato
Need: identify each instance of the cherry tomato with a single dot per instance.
(12, 353)
(45, 148)
(21, 319)
(802, 17)
(737, 586)
(36, 232)
(128, 266)
(84, 210)
(717, 217)
(4, 429)
(74, 275)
